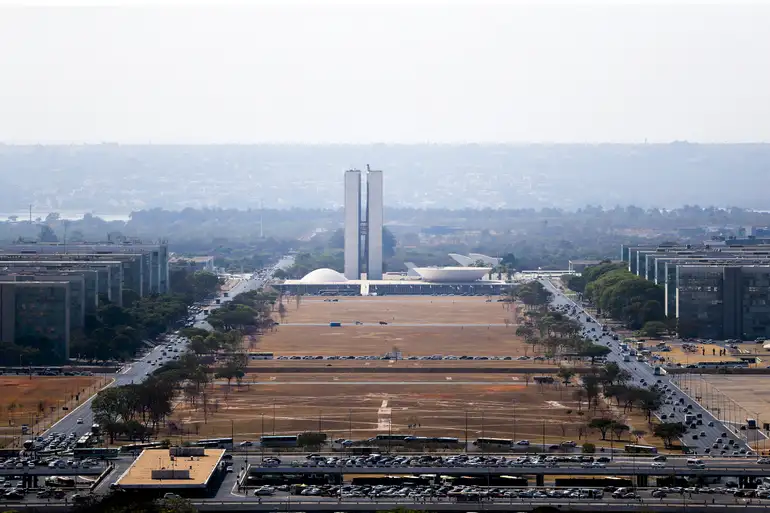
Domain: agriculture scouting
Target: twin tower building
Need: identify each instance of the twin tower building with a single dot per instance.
(363, 226)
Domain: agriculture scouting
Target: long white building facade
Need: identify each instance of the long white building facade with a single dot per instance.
(363, 225)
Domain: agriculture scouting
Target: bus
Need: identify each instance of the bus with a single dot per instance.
(641, 449)
(437, 440)
(60, 482)
(142, 446)
(102, 453)
(496, 442)
(278, 441)
(260, 356)
(214, 443)
(389, 438)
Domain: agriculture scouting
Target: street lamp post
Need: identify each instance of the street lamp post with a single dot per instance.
(514, 421)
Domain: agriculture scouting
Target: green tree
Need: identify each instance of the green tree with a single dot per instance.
(619, 428)
(669, 431)
(566, 373)
(654, 329)
(310, 439)
(602, 424)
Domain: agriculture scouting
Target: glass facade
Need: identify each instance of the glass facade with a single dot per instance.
(42, 310)
(723, 302)
(755, 302)
(699, 302)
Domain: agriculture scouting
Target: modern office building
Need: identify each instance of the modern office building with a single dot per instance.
(36, 309)
(715, 292)
(723, 302)
(374, 223)
(77, 289)
(363, 225)
(352, 224)
(153, 265)
(109, 274)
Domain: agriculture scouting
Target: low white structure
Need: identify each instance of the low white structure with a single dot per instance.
(452, 274)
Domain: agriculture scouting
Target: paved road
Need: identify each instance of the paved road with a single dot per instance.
(138, 371)
(625, 469)
(642, 370)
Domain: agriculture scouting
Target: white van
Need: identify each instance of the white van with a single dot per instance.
(695, 463)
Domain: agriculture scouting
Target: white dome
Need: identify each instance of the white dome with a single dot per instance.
(323, 275)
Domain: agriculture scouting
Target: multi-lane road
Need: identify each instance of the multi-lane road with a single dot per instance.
(712, 427)
(80, 419)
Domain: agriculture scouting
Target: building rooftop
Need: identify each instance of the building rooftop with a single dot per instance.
(199, 468)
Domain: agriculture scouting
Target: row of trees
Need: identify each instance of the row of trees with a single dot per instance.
(136, 410)
(117, 332)
(624, 296)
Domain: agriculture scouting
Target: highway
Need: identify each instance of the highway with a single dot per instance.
(627, 469)
(642, 370)
(138, 371)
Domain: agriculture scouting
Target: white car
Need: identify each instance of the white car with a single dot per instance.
(658, 464)
(763, 461)
(80, 421)
(522, 442)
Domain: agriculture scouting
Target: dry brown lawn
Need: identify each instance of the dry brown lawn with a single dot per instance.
(679, 355)
(399, 309)
(413, 340)
(360, 407)
(29, 401)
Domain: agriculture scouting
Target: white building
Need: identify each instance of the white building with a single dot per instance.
(353, 224)
(366, 222)
(374, 220)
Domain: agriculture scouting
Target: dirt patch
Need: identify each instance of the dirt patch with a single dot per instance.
(399, 309)
(412, 341)
(39, 401)
(344, 407)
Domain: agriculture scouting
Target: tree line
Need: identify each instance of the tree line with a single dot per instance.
(622, 295)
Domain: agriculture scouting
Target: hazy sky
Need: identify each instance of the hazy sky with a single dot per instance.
(416, 72)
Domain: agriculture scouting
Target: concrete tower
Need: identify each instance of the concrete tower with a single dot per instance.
(373, 224)
(353, 224)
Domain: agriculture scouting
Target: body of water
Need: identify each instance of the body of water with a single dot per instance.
(65, 214)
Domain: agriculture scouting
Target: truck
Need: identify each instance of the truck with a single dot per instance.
(659, 371)
(751, 423)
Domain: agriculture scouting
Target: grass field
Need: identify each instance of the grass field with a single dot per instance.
(31, 401)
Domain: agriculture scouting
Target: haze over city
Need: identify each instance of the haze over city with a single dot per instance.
(427, 256)
(417, 72)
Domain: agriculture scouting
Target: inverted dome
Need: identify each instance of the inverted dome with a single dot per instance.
(452, 274)
(323, 275)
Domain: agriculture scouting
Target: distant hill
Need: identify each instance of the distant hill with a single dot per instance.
(118, 179)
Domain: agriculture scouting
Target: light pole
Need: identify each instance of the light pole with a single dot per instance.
(466, 431)
(514, 421)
